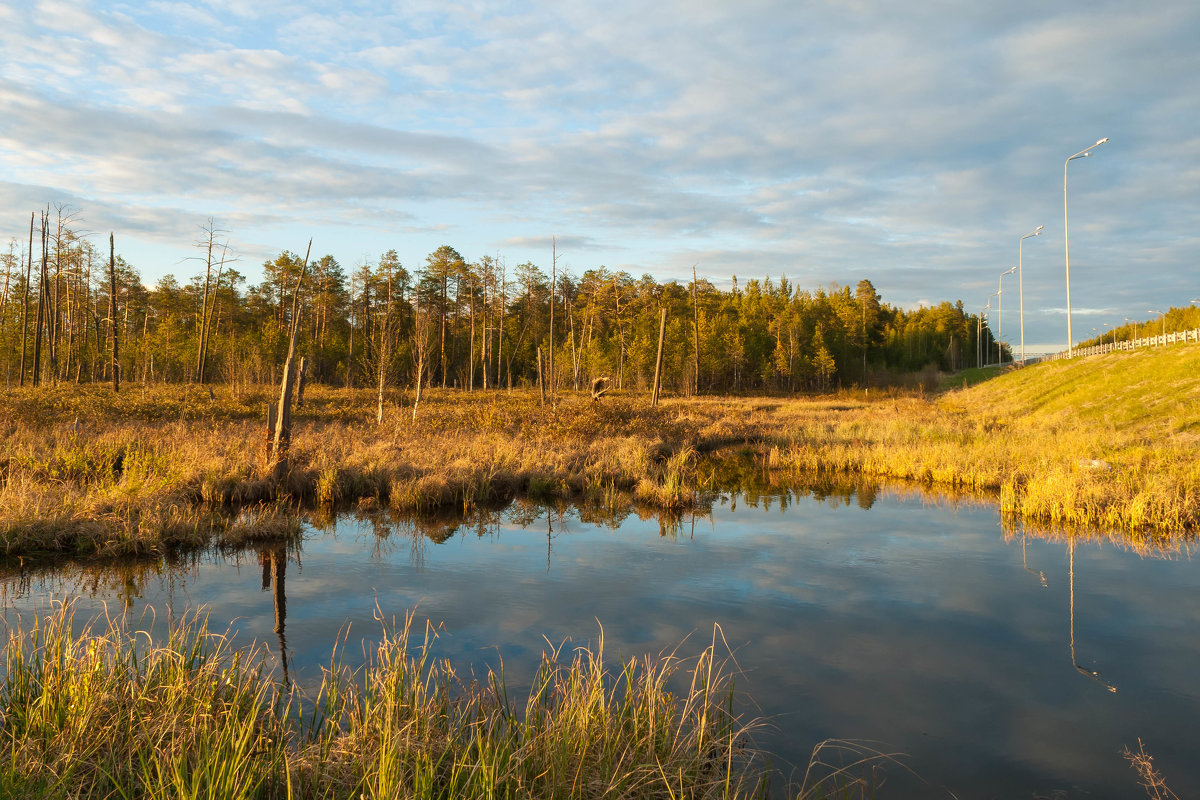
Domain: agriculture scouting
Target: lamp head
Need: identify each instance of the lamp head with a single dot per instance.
(1038, 230)
(1102, 141)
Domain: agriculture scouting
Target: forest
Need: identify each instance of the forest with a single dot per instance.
(452, 321)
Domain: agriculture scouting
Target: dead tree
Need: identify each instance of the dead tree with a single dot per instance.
(211, 288)
(541, 380)
(696, 330)
(25, 299)
(112, 314)
(283, 416)
(662, 333)
(41, 312)
(422, 348)
(553, 278)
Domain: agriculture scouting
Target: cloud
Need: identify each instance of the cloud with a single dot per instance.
(563, 243)
(910, 144)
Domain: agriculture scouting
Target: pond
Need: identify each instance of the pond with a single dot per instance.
(1000, 664)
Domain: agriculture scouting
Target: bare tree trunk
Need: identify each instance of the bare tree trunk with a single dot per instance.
(41, 315)
(662, 333)
(350, 359)
(541, 382)
(696, 329)
(208, 248)
(206, 334)
(283, 422)
(112, 314)
(620, 336)
(442, 335)
(384, 354)
(553, 274)
(55, 307)
(421, 336)
(471, 349)
(25, 300)
(500, 332)
(301, 381)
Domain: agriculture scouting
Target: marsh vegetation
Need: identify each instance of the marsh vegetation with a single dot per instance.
(1080, 443)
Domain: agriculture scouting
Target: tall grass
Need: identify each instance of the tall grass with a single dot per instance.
(1109, 441)
(104, 713)
(104, 474)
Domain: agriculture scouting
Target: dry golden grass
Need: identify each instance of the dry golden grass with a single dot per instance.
(90, 473)
(1108, 442)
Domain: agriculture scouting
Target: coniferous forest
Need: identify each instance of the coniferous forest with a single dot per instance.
(456, 322)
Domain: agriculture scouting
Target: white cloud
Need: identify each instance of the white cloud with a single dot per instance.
(908, 144)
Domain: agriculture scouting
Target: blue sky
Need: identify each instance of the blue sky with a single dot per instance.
(909, 143)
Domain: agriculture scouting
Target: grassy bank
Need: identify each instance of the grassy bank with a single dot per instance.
(90, 473)
(197, 718)
(1108, 441)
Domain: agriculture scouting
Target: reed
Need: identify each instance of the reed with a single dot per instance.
(197, 718)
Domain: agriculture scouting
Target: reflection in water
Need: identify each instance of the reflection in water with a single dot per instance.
(274, 563)
(1093, 674)
(1025, 563)
(907, 623)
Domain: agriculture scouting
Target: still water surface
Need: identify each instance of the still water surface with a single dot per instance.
(989, 658)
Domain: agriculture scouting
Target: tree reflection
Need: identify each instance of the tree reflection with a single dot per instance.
(274, 579)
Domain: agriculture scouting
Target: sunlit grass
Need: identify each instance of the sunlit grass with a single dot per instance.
(1107, 441)
(1110, 441)
(195, 717)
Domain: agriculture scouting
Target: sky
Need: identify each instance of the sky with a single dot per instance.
(912, 144)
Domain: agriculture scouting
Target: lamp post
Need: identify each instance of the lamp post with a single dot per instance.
(1164, 322)
(1000, 310)
(1066, 244)
(979, 328)
(1021, 283)
(997, 296)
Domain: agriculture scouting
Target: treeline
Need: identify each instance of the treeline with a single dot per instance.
(453, 322)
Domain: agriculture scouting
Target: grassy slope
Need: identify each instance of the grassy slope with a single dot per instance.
(1109, 441)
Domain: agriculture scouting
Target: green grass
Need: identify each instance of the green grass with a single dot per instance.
(1154, 392)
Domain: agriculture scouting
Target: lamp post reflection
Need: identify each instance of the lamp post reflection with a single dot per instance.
(1091, 673)
(1041, 576)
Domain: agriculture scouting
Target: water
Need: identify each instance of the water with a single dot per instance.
(921, 627)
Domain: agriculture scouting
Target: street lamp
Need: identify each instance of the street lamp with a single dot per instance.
(979, 328)
(1164, 322)
(1021, 283)
(1000, 311)
(1066, 245)
(997, 296)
